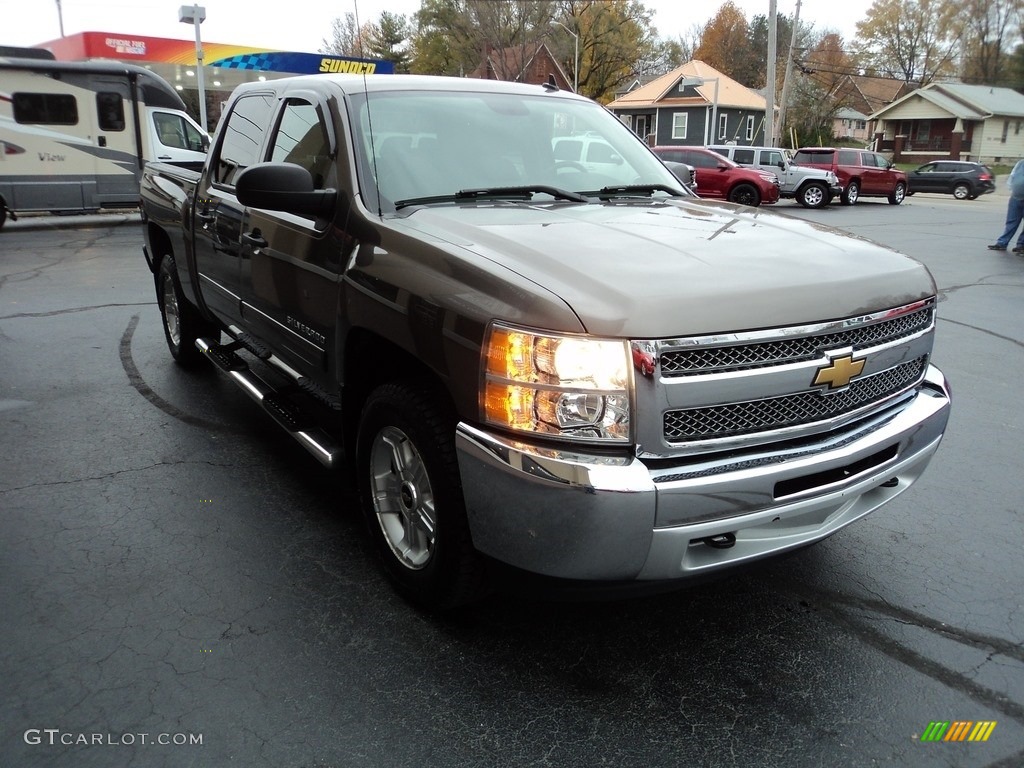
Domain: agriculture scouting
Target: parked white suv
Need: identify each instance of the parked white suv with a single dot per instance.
(811, 187)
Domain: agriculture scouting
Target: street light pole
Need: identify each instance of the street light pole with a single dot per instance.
(576, 60)
(196, 14)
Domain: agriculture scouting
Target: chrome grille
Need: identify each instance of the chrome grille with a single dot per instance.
(719, 359)
(792, 410)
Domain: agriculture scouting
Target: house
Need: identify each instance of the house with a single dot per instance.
(859, 97)
(693, 105)
(530, 63)
(851, 125)
(953, 120)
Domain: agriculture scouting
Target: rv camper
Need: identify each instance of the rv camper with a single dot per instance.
(75, 135)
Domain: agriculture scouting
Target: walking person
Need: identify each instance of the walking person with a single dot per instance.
(1014, 212)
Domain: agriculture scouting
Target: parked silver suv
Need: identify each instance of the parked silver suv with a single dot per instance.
(811, 187)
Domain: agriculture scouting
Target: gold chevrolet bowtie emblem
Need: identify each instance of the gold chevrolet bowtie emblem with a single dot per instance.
(839, 372)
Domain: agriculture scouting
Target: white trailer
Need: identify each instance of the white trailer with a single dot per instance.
(75, 135)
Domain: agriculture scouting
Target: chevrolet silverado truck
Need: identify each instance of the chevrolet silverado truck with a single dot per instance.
(531, 366)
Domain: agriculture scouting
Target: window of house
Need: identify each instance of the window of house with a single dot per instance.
(45, 108)
(1006, 130)
(924, 130)
(242, 137)
(110, 109)
(679, 120)
(723, 126)
(750, 127)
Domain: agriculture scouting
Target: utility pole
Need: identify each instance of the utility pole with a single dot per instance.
(789, 73)
(769, 118)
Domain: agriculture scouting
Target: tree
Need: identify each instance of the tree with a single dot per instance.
(616, 39)
(913, 40)
(989, 27)
(387, 40)
(347, 38)
(725, 45)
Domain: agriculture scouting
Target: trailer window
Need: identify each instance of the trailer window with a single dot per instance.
(45, 108)
(110, 109)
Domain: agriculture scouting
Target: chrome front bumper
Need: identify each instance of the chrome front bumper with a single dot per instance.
(590, 517)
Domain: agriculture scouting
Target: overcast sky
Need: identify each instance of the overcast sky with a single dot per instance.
(301, 25)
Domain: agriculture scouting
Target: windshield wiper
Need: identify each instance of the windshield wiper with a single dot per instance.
(635, 190)
(524, 193)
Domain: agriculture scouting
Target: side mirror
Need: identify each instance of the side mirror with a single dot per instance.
(205, 142)
(283, 187)
(782, 164)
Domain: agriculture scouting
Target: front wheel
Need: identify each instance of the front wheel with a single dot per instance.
(851, 193)
(181, 320)
(898, 193)
(813, 195)
(411, 495)
(962, 191)
(745, 194)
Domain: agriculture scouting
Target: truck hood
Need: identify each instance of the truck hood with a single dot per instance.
(681, 267)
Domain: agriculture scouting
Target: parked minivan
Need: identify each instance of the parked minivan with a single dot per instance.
(75, 135)
(811, 187)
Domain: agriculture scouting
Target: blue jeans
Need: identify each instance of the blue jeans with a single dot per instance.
(1014, 215)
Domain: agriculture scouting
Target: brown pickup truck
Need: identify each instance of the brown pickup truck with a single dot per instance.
(532, 365)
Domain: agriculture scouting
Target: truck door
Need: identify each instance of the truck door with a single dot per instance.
(175, 139)
(291, 264)
(218, 216)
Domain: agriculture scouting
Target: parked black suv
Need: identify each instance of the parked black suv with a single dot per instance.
(963, 180)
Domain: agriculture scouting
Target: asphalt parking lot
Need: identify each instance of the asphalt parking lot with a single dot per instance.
(182, 585)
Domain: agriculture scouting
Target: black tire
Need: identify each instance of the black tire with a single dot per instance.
(898, 194)
(411, 494)
(181, 320)
(962, 191)
(745, 194)
(3, 215)
(814, 194)
(851, 194)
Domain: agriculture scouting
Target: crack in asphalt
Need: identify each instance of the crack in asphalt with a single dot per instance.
(72, 310)
(986, 331)
(115, 473)
(828, 602)
(140, 386)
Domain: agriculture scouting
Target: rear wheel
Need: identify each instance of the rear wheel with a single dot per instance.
(962, 191)
(898, 193)
(851, 194)
(411, 494)
(813, 195)
(745, 194)
(181, 320)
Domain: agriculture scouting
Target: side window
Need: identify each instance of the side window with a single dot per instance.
(110, 109)
(45, 108)
(568, 149)
(700, 160)
(302, 140)
(599, 152)
(771, 157)
(848, 157)
(679, 120)
(743, 156)
(169, 130)
(243, 137)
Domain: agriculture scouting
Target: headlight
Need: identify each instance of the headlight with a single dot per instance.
(566, 386)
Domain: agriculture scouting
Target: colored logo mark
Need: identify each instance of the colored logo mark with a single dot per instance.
(958, 730)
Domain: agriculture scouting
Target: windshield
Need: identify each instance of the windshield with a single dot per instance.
(439, 143)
